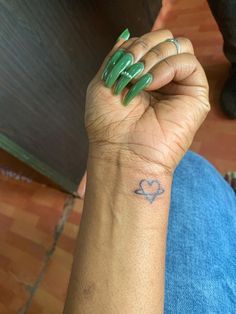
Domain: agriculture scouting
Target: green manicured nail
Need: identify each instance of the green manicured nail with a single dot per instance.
(111, 62)
(127, 76)
(142, 83)
(124, 35)
(116, 56)
(120, 66)
(234, 175)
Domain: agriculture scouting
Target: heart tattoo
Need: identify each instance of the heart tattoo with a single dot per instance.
(150, 189)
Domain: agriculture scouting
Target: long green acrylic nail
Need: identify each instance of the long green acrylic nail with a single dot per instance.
(111, 62)
(124, 35)
(127, 76)
(142, 83)
(120, 66)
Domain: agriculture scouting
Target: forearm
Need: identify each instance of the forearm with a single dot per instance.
(120, 255)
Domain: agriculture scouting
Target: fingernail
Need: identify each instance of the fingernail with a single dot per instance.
(111, 62)
(234, 175)
(127, 76)
(142, 83)
(120, 66)
(124, 35)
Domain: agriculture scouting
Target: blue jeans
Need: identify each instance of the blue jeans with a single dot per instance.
(201, 242)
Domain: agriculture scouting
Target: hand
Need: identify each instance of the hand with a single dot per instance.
(158, 125)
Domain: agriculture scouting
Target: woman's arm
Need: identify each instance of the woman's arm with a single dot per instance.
(136, 142)
(120, 254)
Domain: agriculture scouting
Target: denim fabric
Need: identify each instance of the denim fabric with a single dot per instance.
(201, 242)
(224, 12)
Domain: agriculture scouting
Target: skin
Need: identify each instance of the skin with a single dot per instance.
(119, 263)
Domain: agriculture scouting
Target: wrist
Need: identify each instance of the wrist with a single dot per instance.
(130, 183)
(121, 157)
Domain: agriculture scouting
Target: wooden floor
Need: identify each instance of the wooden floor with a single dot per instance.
(29, 214)
(35, 253)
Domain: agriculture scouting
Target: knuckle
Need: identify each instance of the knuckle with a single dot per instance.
(143, 42)
(188, 44)
(166, 32)
(158, 52)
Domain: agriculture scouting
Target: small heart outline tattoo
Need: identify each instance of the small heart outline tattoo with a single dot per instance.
(150, 189)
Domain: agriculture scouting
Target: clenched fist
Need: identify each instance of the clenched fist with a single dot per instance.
(147, 101)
